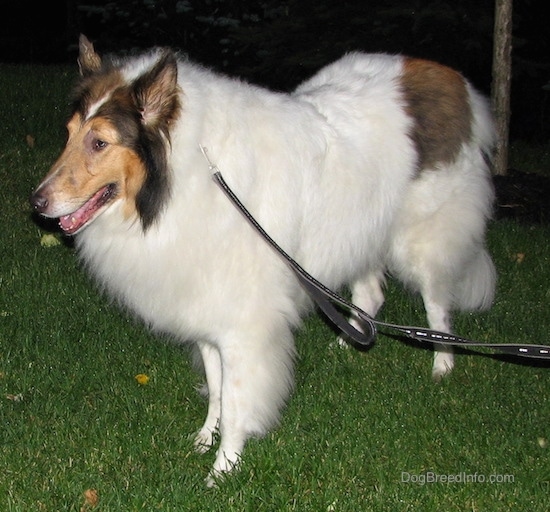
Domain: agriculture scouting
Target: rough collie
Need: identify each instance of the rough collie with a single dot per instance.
(378, 164)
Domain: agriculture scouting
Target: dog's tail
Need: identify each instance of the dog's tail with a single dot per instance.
(477, 289)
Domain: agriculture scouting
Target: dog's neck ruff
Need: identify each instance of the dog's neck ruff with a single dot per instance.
(324, 298)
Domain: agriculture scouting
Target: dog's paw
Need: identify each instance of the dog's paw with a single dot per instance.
(443, 365)
(339, 342)
(205, 439)
(214, 479)
(224, 465)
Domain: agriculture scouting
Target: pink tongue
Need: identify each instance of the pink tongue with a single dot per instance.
(70, 223)
(74, 221)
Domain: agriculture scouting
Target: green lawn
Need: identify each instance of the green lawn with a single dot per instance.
(363, 431)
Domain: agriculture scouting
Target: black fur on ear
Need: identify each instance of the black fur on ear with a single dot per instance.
(155, 191)
(156, 95)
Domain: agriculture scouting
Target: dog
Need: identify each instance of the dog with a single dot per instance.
(378, 164)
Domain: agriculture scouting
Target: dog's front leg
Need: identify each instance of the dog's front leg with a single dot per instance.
(206, 436)
(234, 410)
(257, 371)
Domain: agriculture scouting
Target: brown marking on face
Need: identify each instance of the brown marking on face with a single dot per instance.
(118, 143)
(437, 100)
(93, 158)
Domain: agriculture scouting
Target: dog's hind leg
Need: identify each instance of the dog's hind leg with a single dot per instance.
(205, 438)
(437, 312)
(366, 294)
(432, 272)
(430, 269)
(474, 290)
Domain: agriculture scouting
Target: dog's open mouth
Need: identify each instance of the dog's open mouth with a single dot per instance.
(75, 221)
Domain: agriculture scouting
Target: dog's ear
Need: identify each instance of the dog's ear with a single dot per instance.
(88, 60)
(156, 92)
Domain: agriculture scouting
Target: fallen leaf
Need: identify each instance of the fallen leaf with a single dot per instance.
(519, 257)
(142, 379)
(543, 443)
(91, 499)
(49, 240)
(30, 141)
(15, 398)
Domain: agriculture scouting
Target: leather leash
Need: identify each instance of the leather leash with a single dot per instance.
(325, 298)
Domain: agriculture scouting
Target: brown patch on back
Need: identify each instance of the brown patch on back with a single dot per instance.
(437, 99)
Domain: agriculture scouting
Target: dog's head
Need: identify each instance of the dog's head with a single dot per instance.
(118, 140)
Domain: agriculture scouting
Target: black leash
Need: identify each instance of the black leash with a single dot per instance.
(324, 297)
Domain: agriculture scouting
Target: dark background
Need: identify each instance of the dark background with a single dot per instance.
(279, 43)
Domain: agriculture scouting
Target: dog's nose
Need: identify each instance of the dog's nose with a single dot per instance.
(39, 202)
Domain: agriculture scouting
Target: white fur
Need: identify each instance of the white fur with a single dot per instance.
(329, 172)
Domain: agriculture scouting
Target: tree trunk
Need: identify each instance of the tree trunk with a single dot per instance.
(500, 88)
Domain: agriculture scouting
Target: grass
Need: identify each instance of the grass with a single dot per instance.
(73, 417)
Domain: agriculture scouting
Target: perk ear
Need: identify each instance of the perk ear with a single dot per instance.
(88, 60)
(156, 92)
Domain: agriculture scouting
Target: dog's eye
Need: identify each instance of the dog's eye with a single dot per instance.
(99, 144)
